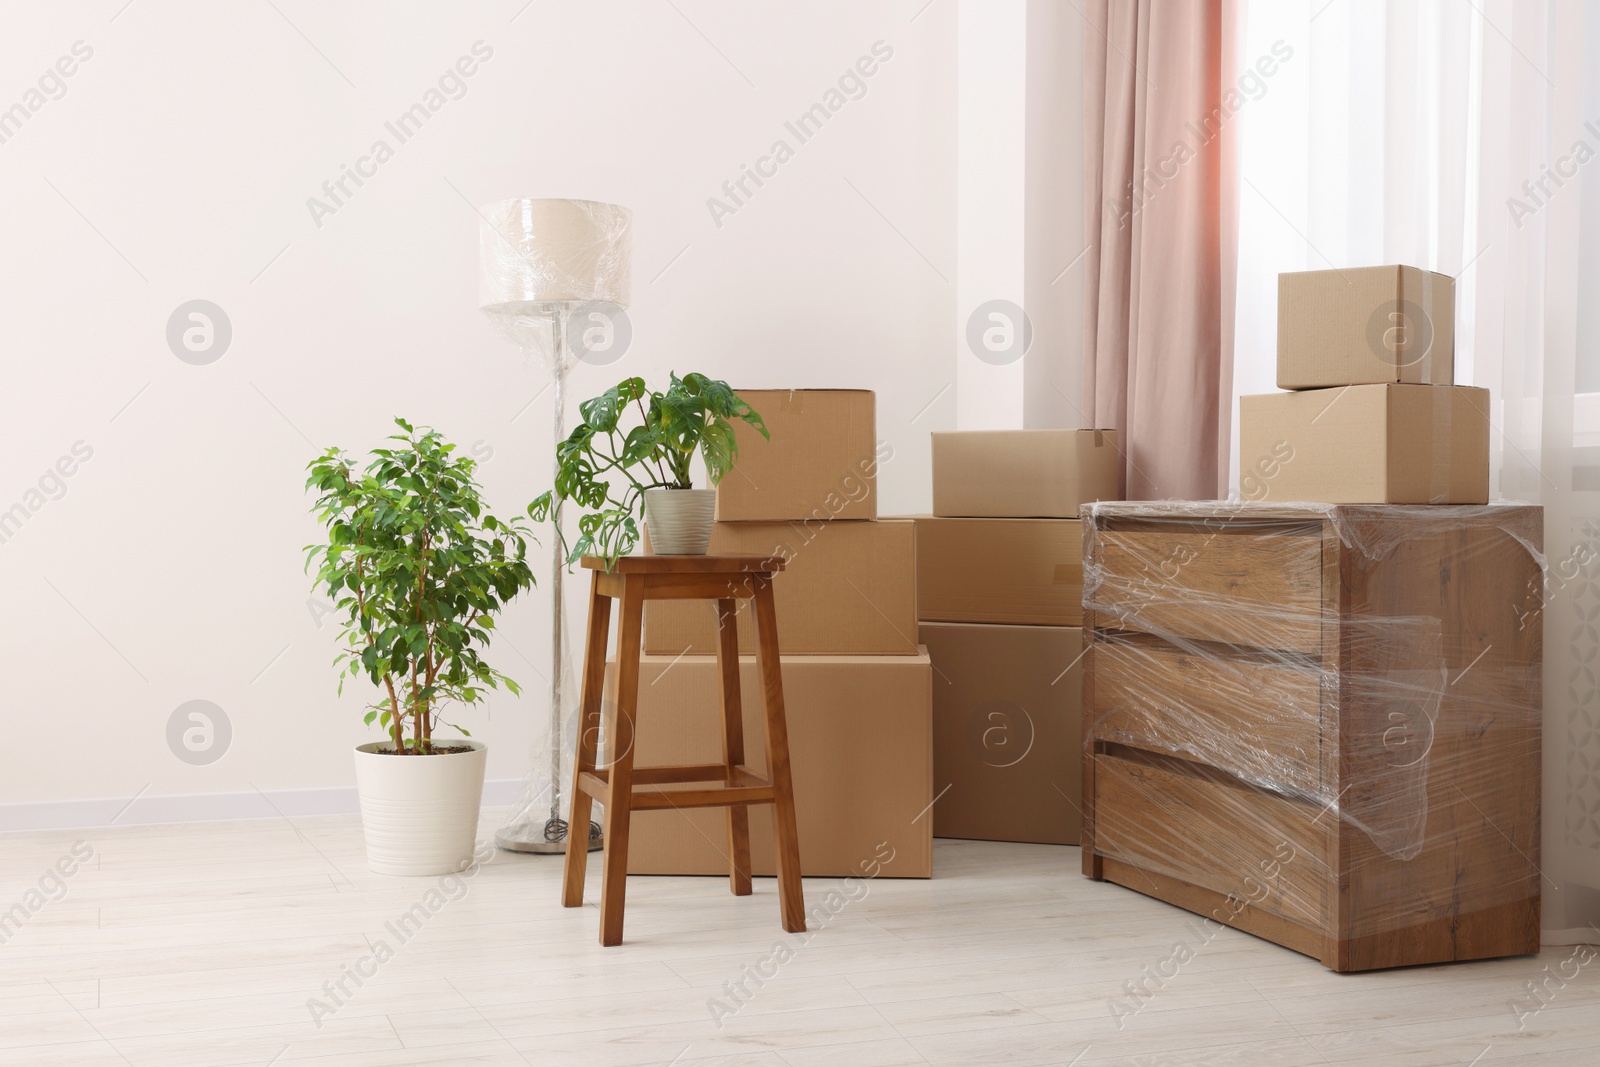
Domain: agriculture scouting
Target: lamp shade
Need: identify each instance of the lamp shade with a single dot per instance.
(544, 252)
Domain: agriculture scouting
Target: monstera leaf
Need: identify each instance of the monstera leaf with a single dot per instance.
(601, 413)
(606, 463)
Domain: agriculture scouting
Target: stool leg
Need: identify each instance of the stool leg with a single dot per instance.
(582, 804)
(619, 809)
(791, 898)
(733, 744)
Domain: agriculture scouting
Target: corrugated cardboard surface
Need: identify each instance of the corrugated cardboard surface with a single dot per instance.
(848, 587)
(821, 462)
(1367, 444)
(1023, 473)
(860, 746)
(1365, 325)
(1007, 731)
(1022, 571)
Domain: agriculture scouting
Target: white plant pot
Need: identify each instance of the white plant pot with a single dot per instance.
(419, 814)
(679, 520)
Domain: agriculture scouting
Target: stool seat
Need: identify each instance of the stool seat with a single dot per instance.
(624, 789)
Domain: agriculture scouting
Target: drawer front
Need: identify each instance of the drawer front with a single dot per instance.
(1262, 587)
(1208, 831)
(1256, 717)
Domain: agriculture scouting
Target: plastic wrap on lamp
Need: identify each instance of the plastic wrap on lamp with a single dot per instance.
(538, 255)
(536, 820)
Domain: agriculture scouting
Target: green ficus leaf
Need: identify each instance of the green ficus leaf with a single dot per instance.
(416, 565)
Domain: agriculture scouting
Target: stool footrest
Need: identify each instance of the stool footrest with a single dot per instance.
(713, 797)
(747, 787)
(698, 772)
(592, 783)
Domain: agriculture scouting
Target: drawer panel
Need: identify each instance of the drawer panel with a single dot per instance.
(1255, 716)
(1204, 829)
(1262, 587)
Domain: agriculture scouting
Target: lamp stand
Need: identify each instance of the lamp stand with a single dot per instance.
(551, 837)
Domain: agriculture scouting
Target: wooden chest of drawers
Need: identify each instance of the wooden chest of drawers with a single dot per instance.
(1319, 723)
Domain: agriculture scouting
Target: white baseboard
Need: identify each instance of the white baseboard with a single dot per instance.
(1577, 935)
(150, 810)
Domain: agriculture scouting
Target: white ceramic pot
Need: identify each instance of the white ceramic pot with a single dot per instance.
(679, 520)
(419, 814)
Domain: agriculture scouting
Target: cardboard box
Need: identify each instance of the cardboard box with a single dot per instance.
(1020, 571)
(1366, 444)
(860, 747)
(1023, 473)
(821, 463)
(1007, 732)
(848, 587)
(1365, 325)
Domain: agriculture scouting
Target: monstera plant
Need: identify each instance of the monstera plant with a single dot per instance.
(632, 453)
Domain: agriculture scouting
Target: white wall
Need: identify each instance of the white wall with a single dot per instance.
(1055, 240)
(992, 155)
(1020, 233)
(177, 166)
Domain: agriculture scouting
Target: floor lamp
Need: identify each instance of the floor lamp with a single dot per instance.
(548, 267)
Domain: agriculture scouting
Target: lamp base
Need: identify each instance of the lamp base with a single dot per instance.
(548, 840)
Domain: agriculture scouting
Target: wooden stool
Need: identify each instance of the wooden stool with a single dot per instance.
(726, 580)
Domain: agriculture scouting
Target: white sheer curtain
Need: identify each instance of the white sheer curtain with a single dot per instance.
(1405, 131)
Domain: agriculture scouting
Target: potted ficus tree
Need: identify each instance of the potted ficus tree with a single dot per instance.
(417, 569)
(633, 451)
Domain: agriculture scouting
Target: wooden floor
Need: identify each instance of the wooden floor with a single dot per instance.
(203, 944)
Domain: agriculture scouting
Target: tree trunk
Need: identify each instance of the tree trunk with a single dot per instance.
(395, 726)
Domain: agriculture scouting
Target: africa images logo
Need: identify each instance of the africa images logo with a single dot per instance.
(852, 85)
(451, 85)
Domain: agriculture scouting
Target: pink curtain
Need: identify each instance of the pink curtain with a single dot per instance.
(1162, 222)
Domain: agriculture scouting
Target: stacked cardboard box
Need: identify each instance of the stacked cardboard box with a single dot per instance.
(1374, 416)
(1000, 591)
(857, 685)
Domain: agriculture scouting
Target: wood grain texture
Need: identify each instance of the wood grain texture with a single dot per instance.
(587, 744)
(683, 773)
(198, 944)
(1212, 831)
(791, 897)
(624, 791)
(1256, 717)
(1093, 641)
(740, 586)
(1262, 587)
(765, 564)
(733, 743)
(1439, 742)
(683, 799)
(1420, 737)
(595, 785)
(614, 866)
(1218, 907)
